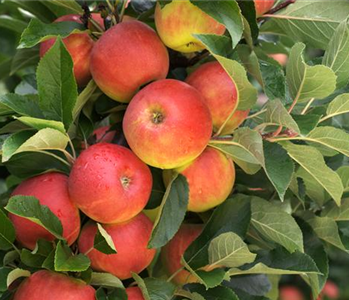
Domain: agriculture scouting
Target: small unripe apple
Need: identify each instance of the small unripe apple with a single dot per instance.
(134, 293)
(290, 293)
(210, 177)
(126, 57)
(262, 6)
(220, 95)
(171, 254)
(178, 21)
(47, 285)
(130, 239)
(109, 183)
(51, 189)
(167, 124)
(79, 46)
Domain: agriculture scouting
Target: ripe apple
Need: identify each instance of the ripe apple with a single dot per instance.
(210, 178)
(47, 285)
(171, 254)
(220, 95)
(51, 189)
(167, 124)
(177, 21)
(127, 56)
(290, 293)
(330, 290)
(134, 293)
(109, 183)
(130, 239)
(281, 58)
(262, 6)
(79, 45)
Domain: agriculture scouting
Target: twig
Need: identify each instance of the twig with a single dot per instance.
(307, 106)
(280, 7)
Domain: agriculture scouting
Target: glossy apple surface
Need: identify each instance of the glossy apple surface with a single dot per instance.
(51, 189)
(134, 293)
(167, 124)
(109, 183)
(290, 293)
(262, 6)
(130, 239)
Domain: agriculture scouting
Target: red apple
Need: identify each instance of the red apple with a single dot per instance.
(330, 290)
(171, 254)
(47, 285)
(210, 177)
(262, 6)
(127, 56)
(220, 95)
(79, 45)
(130, 239)
(51, 189)
(177, 21)
(167, 124)
(290, 293)
(281, 58)
(109, 183)
(134, 293)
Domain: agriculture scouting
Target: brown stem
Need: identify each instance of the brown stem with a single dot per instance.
(276, 8)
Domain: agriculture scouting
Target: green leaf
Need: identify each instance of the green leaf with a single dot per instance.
(274, 80)
(83, 97)
(12, 24)
(336, 213)
(306, 123)
(159, 289)
(337, 54)
(38, 31)
(15, 274)
(172, 211)
(106, 280)
(66, 261)
(276, 225)
(229, 250)
(70, 6)
(141, 284)
(343, 173)
(22, 105)
(306, 82)
(103, 241)
(313, 162)
(278, 262)
(219, 292)
(45, 139)
(246, 149)
(7, 232)
(277, 114)
(30, 208)
(36, 258)
(338, 106)
(42, 124)
(227, 13)
(4, 272)
(311, 22)
(247, 93)
(278, 166)
(56, 84)
(233, 215)
(24, 58)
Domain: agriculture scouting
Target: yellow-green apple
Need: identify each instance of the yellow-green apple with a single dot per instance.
(172, 253)
(220, 95)
(130, 239)
(167, 124)
(51, 189)
(134, 293)
(109, 183)
(210, 177)
(281, 58)
(126, 57)
(262, 6)
(290, 293)
(178, 21)
(79, 46)
(47, 285)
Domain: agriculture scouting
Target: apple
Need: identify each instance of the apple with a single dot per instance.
(79, 45)
(210, 178)
(262, 6)
(220, 95)
(130, 239)
(134, 293)
(290, 293)
(171, 254)
(281, 58)
(167, 124)
(47, 285)
(126, 57)
(51, 189)
(330, 290)
(178, 21)
(109, 183)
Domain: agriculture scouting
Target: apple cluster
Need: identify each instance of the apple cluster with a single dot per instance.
(167, 124)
